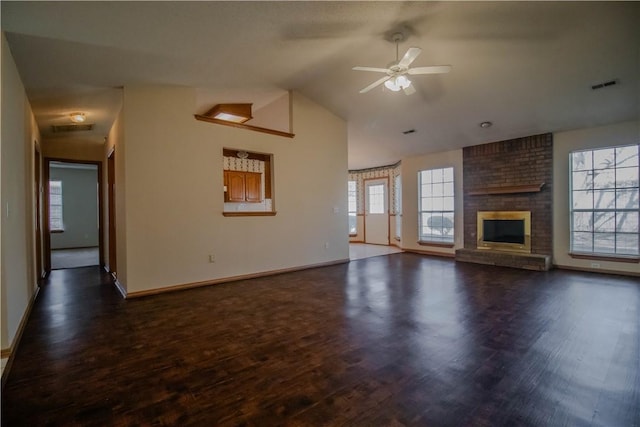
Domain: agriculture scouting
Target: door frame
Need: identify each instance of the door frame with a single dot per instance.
(38, 194)
(46, 226)
(366, 210)
(111, 206)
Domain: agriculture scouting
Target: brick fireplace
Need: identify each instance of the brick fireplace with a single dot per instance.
(513, 175)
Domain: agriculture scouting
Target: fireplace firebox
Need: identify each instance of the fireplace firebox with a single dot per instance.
(505, 231)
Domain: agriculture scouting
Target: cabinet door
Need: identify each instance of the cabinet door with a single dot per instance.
(235, 186)
(253, 187)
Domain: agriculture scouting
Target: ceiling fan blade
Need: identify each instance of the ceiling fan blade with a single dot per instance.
(436, 69)
(375, 70)
(410, 56)
(374, 84)
(409, 90)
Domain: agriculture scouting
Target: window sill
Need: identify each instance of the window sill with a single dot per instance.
(57, 231)
(249, 213)
(436, 244)
(602, 257)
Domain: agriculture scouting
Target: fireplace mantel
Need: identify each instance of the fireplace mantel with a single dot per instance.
(511, 189)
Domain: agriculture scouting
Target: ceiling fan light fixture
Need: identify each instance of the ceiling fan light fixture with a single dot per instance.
(396, 73)
(403, 82)
(397, 83)
(77, 117)
(391, 85)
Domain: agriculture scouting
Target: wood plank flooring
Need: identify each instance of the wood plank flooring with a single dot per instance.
(397, 340)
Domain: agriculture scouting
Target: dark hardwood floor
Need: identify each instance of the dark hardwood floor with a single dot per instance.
(385, 341)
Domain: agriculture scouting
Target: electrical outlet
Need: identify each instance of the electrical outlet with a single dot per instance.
(212, 258)
(595, 265)
(326, 245)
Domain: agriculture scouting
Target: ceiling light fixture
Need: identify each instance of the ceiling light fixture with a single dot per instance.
(237, 113)
(485, 125)
(77, 117)
(397, 83)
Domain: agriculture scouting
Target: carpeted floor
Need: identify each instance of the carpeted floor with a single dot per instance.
(72, 258)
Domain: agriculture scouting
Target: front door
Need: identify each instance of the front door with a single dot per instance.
(376, 219)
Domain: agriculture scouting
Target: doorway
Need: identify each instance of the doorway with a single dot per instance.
(73, 214)
(376, 218)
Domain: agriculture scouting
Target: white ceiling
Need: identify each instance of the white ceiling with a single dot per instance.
(526, 66)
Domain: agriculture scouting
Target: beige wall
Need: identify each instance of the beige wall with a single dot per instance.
(410, 168)
(73, 149)
(174, 200)
(563, 144)
(17, 263)
(274, 115)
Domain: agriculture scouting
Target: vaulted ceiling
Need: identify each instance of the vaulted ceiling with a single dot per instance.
(528, 67)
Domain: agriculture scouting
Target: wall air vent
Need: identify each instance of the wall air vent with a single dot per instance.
(71, 128)
(604, 84)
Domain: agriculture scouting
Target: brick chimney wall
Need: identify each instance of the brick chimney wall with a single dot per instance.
(521, 161)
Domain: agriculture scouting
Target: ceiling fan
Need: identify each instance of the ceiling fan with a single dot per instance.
(396, 73)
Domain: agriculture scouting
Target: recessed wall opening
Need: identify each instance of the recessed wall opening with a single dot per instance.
(247, 182)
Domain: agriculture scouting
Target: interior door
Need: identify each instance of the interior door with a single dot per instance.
(376, 219)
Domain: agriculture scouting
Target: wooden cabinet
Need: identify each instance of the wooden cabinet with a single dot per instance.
(253, 187)
(235, 186)
(243, 187)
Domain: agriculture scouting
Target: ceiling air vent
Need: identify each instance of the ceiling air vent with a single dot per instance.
(604, 84)
(71, 128)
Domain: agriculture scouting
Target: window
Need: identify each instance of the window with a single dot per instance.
(353, 208)
(55, 206)
(436, 205)
(604, 201)
(376, 199)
